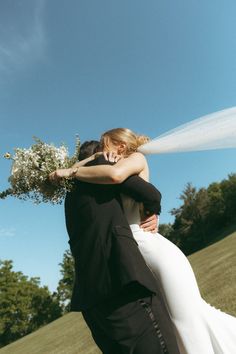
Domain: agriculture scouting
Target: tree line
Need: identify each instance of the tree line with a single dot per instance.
(200, 220)
(24, 304)
(203, 215)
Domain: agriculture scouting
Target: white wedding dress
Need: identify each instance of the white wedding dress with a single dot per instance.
(199, 327)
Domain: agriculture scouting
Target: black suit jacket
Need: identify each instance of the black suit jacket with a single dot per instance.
(107, 258)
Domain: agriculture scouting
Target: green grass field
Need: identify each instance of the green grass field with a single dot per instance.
(215, 268)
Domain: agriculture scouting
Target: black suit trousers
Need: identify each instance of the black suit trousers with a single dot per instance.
(126, 326)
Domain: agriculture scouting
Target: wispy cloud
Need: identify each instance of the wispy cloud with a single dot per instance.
(7, 232)
(23, 40)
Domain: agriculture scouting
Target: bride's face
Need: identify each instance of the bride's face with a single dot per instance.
(118, 149)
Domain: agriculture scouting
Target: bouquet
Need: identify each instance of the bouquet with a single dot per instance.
(31, 168)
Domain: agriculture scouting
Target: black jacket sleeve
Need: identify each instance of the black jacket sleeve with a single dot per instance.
(143, 192)
(138, 189)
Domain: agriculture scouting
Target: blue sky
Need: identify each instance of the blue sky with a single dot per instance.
(82, 67)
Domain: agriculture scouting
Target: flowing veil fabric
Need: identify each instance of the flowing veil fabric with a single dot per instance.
(213, 131)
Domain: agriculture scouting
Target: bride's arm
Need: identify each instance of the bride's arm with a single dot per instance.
(70, 172)
(105, 174)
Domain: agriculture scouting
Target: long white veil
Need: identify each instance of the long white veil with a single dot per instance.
(213, 131)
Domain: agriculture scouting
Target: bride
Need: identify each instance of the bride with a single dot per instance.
(199, 327)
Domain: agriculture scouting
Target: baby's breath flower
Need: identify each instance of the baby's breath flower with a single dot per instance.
(30, 170)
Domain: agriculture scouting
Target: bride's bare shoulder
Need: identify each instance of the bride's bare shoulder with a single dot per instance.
(137, 156)
(138, 160)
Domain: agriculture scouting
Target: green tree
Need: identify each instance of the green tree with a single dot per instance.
(189, 231)
(165, 230)
(65, 284)
(24, 305)
(216, 211)
(203, 214)
(228, 187)
(184, 217)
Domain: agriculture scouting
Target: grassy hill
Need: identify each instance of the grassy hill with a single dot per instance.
(215, 268)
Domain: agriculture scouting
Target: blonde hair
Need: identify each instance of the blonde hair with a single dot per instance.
(123, 135)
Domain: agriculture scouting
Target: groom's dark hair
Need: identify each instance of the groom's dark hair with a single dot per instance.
(89, 148)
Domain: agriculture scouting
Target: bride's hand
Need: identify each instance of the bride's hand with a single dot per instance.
(112, 156)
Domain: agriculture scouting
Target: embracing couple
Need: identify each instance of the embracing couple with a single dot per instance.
(136, 289)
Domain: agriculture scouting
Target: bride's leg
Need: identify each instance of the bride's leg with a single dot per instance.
(180, 291)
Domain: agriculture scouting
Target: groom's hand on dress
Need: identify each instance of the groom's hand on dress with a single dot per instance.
(149, 223)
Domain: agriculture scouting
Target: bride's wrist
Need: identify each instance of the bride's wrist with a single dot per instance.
(73, 171)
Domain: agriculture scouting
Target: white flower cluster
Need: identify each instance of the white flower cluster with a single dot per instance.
(31, 168)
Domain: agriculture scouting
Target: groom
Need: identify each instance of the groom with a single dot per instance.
(115, 290)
